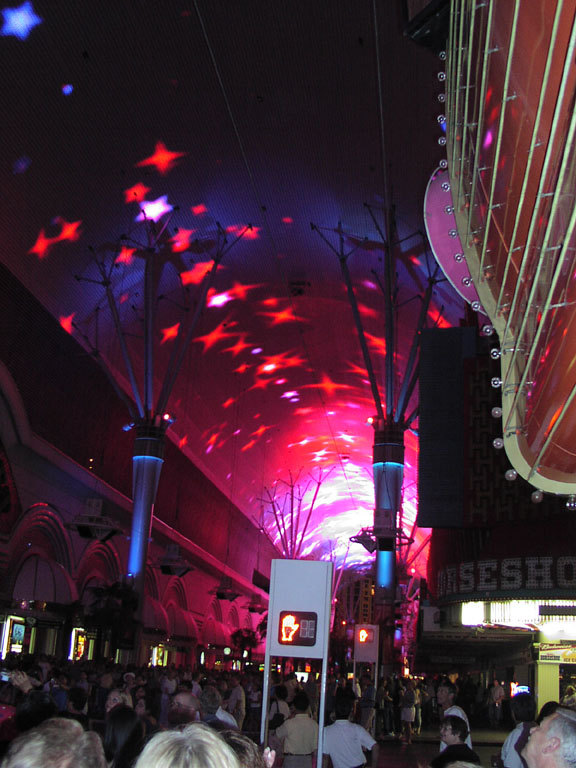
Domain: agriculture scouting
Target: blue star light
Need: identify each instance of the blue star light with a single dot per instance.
(154, 209)
(22, 164)
(19, 22)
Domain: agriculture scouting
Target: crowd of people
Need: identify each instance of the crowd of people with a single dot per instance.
(87, 715)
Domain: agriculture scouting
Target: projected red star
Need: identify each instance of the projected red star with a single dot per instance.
(181, 240)
(42, 245)
(162, 159)
(328, 386)
(240, 345)
(284, 316)
(218, 334)
(136, 194)
(240, 292)
(125, 256)
(273, 363)
(195, 275)
(170, 333)
(69, 230)
(67, 323)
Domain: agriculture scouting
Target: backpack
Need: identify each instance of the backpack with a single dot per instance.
(277, 719)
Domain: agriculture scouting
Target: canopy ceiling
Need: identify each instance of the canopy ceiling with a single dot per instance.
(274, 115)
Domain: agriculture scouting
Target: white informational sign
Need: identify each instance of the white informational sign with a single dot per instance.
(299, 608)
(366, 643)
(298, 621)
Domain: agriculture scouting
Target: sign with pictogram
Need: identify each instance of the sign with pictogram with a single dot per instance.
(366, 643)
(297, 628)
(365, 635)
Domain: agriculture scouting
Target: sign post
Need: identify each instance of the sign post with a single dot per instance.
(366, 646)
(298, 624)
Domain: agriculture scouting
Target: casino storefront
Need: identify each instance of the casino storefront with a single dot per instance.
(511, 616)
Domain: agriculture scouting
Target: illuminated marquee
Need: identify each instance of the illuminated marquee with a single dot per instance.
(511, 574)
(297, 628)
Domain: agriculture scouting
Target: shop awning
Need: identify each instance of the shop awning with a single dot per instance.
(216, 633)
(43, 580)
(181, 624)
(155, 618)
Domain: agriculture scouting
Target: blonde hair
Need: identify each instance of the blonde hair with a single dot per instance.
(56, 743)
(461, 764)
(122, 696)
(197, 746)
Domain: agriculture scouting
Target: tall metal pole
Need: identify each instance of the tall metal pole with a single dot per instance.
(151, 424)
(147, 461)
(149, 313)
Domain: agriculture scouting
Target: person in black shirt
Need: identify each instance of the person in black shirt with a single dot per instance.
(453, 732)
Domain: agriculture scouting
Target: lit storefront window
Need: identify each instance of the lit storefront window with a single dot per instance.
(78, 644)
(472, 614)
(13, 634)
(548, 616)
(158, 656)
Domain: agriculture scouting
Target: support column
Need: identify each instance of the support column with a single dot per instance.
(147, 462)
(388, 471)
(547, 682)
(388, 467)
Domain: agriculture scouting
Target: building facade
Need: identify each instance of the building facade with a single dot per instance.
(65, 510)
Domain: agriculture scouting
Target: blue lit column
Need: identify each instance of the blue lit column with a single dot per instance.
(388, 466)
(148, 458)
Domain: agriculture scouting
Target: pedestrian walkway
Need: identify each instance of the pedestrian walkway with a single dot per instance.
(485, 736)
(394, 754)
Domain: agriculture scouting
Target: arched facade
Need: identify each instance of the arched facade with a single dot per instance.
(61, 576)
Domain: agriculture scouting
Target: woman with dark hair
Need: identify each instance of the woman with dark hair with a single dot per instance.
(246, 750)
(124, 737)
(143, 708)
(523, 708)
(33, 709)
(408, 710)
(453, 733)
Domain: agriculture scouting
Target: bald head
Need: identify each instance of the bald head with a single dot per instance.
(184, 708)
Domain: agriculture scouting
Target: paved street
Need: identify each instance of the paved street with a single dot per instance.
(394, 754)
